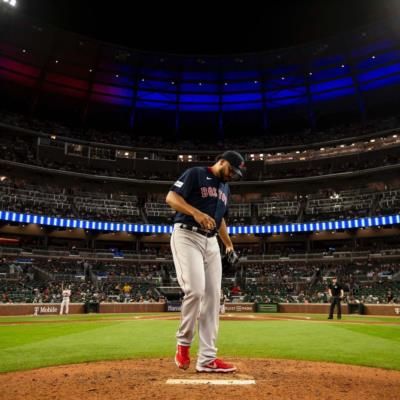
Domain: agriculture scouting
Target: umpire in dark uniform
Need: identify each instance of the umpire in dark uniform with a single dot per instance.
(336, 294)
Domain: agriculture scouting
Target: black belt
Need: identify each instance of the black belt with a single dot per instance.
(196, 229)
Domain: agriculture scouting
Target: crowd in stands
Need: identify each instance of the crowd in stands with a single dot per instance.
(73, 202)
(23, 150)
(69, 203)
(315, 169)
(306, 136)
(42, 280)
(307, 283)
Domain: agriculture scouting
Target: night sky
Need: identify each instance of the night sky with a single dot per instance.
(209, 27)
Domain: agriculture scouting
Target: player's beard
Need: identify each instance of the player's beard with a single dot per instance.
(222, 176)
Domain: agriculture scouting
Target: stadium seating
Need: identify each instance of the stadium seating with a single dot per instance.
(41, 280)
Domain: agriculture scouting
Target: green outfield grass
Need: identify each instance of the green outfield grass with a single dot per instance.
(80, 338)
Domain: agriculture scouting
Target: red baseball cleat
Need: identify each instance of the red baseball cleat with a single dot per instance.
(216, 366)
(182, 356)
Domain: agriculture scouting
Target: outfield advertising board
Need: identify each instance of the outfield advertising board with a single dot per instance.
(174, 306)
(239, 307)
(46, 310)
(267, 307)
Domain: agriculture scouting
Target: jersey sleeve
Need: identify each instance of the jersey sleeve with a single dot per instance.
(185, 183)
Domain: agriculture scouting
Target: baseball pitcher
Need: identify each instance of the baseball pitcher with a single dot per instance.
(200, 199)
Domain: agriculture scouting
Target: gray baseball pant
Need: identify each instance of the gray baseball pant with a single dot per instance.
(198, 268)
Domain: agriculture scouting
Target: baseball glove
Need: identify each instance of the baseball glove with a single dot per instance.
(229, 262)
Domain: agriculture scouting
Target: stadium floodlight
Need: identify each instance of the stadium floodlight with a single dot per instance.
(12, 3)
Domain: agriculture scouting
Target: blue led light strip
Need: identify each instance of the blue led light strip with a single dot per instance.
(366, 222)
(233, 230)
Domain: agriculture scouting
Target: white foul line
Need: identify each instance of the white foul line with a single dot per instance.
(211, 382)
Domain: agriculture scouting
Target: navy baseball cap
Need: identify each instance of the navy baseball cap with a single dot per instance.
(236, 161)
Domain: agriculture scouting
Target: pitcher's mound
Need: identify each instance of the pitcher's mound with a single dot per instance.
(147, 379)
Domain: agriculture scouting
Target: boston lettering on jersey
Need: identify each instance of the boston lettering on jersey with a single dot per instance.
(204, 191)
(209, 191)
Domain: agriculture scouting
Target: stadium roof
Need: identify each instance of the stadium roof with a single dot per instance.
(209, 28)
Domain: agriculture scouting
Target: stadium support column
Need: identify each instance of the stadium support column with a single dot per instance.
(89, 239)
(92, 70)
(264, 245)
(177, 121)
(45, 240)
(132, 115)
(220, 133)
(178, 108)
(263, 89)
(310, 106)
(360, 100)
(353, 235)
(138, 237)
(308, 244)
(41, 79)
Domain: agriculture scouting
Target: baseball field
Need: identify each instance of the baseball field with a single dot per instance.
(255, 342)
